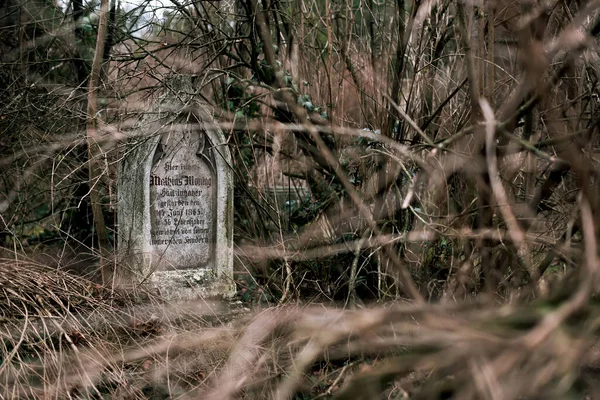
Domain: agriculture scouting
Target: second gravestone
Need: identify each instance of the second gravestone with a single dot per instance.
(176, 201)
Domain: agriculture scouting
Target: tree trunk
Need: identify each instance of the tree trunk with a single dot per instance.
(94, 150)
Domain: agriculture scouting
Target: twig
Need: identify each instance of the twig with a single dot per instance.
(410, 121)
(514, 230)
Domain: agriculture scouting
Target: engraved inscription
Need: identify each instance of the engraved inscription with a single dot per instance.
(183, 201)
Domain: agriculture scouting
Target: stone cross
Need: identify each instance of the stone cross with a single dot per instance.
(175, 191)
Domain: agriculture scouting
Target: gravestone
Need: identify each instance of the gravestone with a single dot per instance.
(175, 211)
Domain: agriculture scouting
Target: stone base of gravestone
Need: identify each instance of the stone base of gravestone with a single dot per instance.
(192, 284)
(176, 201)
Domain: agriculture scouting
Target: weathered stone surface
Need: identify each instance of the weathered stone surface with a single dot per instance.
(183, 197)
(176, 202)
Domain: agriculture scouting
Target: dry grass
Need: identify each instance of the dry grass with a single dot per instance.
(63, 338)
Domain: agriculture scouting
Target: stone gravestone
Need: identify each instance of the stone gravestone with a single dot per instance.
(175, 191)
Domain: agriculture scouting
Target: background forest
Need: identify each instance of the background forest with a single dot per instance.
(416, 199)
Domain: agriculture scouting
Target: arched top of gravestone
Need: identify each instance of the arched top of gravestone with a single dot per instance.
(179, 88)
(179, 103)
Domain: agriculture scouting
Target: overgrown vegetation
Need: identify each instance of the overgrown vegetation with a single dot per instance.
(417, 208)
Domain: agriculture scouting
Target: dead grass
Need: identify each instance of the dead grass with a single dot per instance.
(63, 336)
